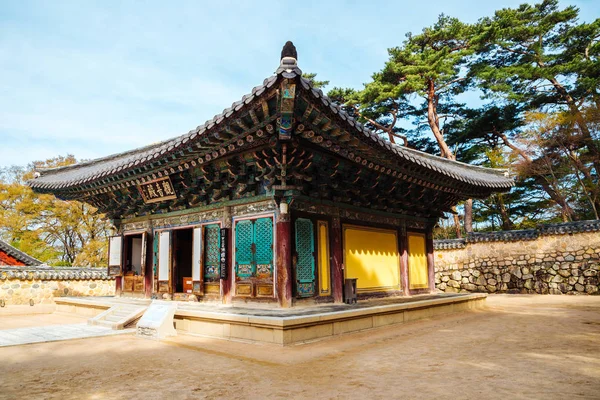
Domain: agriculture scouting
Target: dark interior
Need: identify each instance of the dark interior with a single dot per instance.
(182, 257)
(127, 266)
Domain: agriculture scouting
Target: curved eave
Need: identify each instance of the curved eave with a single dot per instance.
(480, 180)
(473, 181)
(63, 179)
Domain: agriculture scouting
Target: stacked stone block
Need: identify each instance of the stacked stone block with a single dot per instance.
(40, 285)
(561, 260)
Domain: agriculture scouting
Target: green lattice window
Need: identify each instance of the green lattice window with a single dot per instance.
(212, 239)
(305, 264)
(254, 248)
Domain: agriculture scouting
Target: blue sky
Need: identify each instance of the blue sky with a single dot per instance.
(96, 78)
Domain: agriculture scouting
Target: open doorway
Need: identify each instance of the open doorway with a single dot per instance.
(133, 262)
(182, 260)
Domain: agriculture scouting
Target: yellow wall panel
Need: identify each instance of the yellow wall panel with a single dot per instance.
(323, 240)
(418, 276)
(371, 255)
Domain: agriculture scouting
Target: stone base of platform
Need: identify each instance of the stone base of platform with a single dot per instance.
(292, 326)
(301, 329)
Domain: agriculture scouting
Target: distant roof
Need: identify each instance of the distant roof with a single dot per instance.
(19, 255)
(116, 166)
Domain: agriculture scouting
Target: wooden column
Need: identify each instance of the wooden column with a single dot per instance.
(337, 259)
(148, 266)
(118, 286)
(403, 242)
(430, 259)
(284, 259)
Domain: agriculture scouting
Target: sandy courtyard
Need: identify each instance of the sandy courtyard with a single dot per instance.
(544, 347)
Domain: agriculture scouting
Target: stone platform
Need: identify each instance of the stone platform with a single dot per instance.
(295, 325)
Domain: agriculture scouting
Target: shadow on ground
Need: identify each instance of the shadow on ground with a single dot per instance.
(520, 347)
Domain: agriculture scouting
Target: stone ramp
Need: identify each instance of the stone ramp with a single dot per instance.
(53, 333)
(118, 316)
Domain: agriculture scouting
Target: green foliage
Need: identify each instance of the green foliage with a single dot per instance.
(537, 66)
(312, 77)
(54, 231)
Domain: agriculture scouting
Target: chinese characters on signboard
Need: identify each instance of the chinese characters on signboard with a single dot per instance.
(157, 190)
(223, 253)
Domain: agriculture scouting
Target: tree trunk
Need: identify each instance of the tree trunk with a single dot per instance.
(566, 210)
(590, 144)
(432, 119)
(457, 224)
(468, 222)
(507, 223)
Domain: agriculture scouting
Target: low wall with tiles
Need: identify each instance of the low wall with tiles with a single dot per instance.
(42, 284)
(551, 259)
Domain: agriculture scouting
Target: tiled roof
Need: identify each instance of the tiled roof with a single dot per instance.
(570, 227)
(517, 235)
(449, 244)
(472, 174)
(87, 172)
(18, 254)
(46, 272)
(503, 236)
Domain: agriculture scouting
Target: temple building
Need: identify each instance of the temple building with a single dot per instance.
(280, 198)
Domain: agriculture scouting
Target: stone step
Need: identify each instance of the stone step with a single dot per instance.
(113, 318)
(118, 316)
(123, 313)
(107, 324)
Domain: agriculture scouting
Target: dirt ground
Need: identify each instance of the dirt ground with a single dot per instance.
(520, 347)
(28, 321)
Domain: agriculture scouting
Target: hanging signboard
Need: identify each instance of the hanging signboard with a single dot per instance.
(160, 189)
(223, 253)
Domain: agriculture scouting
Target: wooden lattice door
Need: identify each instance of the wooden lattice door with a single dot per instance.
(254, 257)
(263, 240)
(305, 264)
(212, 239)
(244, 249)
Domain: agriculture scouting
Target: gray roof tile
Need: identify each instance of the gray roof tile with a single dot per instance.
(92, 170)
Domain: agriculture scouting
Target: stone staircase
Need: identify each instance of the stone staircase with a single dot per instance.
(118, 316)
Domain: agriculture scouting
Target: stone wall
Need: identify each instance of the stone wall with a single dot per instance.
(21, 285)
(551, 259)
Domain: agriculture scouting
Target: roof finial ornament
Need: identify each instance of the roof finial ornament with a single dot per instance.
(289, 61)
(289, 50)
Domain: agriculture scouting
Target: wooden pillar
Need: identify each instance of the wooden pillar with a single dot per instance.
(403, 239)
(148, 266)
(284, 259)
(430, 259)
(118, 286)
(337, 259)
(227, 283)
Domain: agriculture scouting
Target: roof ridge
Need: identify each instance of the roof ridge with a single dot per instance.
(113, 156)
